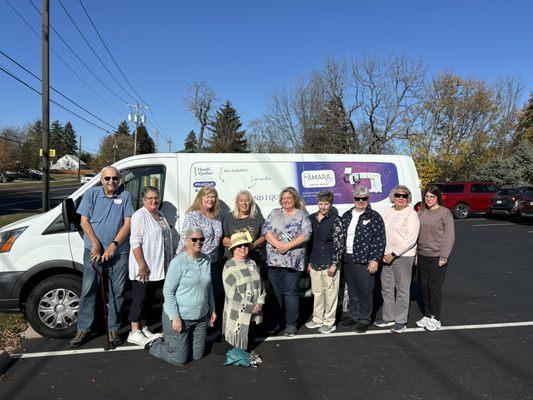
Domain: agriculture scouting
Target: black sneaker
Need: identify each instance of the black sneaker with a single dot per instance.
(361, 328)
(78, 339)
(114, 339)
(347, 323)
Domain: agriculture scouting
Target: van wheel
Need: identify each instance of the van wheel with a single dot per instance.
(52, 307)
(461, 211)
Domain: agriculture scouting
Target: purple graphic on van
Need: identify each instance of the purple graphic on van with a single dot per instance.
(341, 177)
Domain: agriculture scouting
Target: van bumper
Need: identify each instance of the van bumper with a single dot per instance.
(7, 284)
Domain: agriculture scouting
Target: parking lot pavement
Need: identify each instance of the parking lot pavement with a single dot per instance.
(489, 282)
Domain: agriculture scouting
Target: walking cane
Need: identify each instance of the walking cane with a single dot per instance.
(105, 303)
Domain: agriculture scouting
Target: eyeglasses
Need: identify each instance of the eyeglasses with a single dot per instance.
(108, 178)
(194, 240)
(430, 196)
(152, 198)
(401, 195)
(360, 198)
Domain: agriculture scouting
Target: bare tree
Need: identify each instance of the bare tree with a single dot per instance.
(263, 139)
(199, 100)
(387, 97)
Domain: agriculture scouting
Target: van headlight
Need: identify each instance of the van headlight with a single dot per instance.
(7, 238)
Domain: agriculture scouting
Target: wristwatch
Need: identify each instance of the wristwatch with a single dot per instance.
(393, 255)
(115, 243)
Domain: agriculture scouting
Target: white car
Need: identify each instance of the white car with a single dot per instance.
(87, 178)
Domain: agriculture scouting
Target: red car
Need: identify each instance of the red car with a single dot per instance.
(464, 198)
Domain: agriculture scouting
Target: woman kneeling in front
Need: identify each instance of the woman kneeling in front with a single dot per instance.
(188, 304)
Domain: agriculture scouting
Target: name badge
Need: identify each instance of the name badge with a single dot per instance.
(251, 268)
(117, 201)
(366, 221)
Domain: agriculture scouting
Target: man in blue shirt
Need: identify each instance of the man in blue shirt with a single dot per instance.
(105, 220)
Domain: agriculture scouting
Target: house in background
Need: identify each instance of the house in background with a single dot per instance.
(69, 162)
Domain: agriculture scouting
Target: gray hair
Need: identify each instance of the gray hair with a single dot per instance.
(399, 189)
(188, 234)
(148, 189)
(361, 191)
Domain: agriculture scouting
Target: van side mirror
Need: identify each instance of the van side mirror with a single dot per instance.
(71, 219)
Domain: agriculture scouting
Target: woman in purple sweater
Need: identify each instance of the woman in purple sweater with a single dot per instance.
(435, 242)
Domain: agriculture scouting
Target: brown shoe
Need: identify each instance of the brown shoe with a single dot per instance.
(114, 339)
(78, 339)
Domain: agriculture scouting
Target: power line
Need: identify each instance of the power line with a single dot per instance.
(52, 101)
(18, 141)
(118, 67)
(63, 61)
(57, 91)
(92, 49)
(79, 58)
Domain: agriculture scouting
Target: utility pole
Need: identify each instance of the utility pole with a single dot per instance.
(169, 141)
(79, 161)
(136, 114)
(45, 99)
(115, 147)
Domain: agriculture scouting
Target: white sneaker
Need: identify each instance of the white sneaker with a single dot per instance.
(137, 338)
(312, 325)
(433, 325)
(423, 322)
(146, 332)
(325, 329)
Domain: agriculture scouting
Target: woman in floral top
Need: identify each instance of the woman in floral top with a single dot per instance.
(286, 230)
(204, 213)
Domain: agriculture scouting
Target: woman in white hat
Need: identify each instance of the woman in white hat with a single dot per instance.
(245, 294)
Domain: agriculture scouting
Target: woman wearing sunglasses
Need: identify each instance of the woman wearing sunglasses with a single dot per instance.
(365, 245)
(188, 305)
(401, 228)
(245, 295)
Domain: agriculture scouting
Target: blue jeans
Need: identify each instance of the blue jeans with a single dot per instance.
(115, 273)
(284, 282)
(360, 291)
(175, 347)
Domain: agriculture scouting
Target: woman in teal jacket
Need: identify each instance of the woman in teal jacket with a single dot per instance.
(188, 306)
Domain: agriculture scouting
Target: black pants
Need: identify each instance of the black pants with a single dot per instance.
(142, 299)
(431, 280)
(360, 291)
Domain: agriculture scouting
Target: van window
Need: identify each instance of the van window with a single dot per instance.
(453, 188)
(134, 180)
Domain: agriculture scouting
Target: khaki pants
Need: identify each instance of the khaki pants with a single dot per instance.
(326, 295)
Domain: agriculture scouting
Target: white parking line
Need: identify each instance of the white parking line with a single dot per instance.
(504, 224)
(284, 338)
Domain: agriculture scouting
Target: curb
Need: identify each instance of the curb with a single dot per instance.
(4, 360)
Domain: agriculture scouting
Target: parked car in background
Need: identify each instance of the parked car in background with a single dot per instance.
(87, 177)
(464, 198)
(6, 177)
(525, 206)
(506, 201)
(32, 174)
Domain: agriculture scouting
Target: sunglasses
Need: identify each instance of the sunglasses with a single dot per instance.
(360, 198)
(194, 240)
(401, 195)
(108, 178)
(242, 245)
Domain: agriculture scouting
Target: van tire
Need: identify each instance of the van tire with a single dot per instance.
(60, 295)
(461, 211)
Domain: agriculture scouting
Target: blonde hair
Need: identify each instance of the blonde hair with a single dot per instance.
(253, 207)
(300, 203)
(197, 203)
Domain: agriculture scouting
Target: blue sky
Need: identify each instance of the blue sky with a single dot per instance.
(245, 49)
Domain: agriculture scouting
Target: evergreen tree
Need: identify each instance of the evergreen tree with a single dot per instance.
(226, 136)
(115, 147)
(32, 140)
(123, 129)
(57, 139)
(70, 142)
(191, 144)
(145, 143)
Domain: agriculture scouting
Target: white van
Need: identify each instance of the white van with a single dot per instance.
(41, 257)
